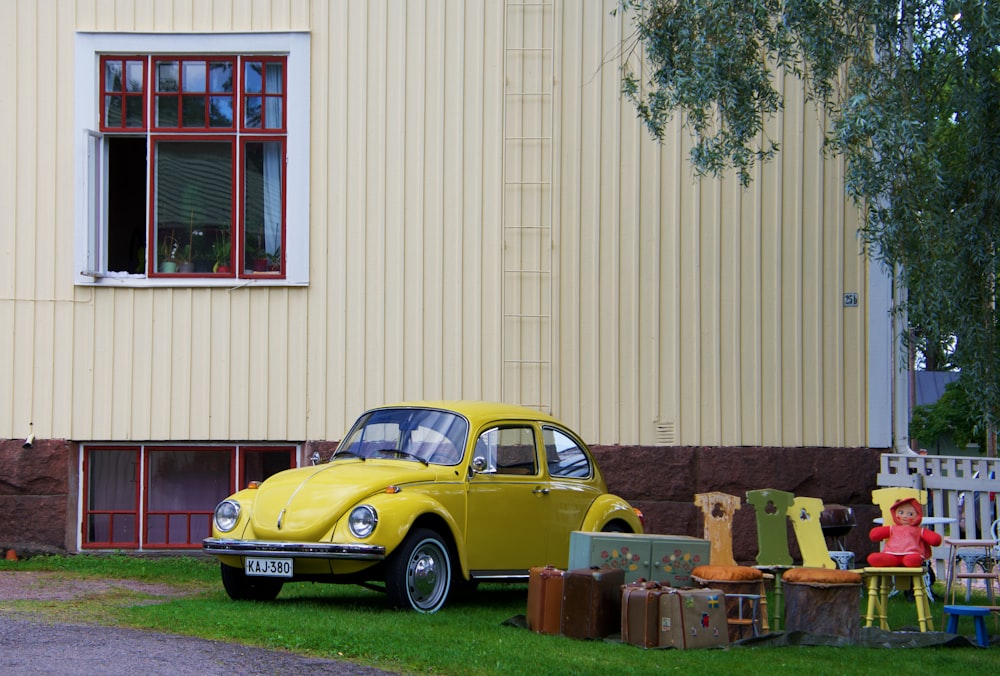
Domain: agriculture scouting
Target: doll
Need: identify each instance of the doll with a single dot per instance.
(906, 543)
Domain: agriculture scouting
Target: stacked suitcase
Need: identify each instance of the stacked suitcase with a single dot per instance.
(663, 617)
(594, 603)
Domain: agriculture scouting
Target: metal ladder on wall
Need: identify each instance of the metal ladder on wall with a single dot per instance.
(527, 338)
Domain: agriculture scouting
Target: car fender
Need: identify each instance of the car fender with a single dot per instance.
(607, 508)
(397, 514)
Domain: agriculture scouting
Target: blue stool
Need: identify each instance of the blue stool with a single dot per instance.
(978, 613)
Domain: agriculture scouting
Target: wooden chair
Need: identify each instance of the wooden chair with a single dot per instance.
(742, 584)
(804, 514)
(773, 558)
(881, 581)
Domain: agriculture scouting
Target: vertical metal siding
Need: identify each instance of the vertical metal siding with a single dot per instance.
(680, 311)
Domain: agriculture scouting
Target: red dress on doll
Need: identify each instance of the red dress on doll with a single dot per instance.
(906, 543)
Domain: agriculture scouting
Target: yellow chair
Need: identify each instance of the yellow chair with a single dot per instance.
(804, 514)
(881, 581)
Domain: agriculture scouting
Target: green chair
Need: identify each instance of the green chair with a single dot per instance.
(771, 510)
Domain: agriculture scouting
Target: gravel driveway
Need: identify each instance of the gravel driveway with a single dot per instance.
(33, 646)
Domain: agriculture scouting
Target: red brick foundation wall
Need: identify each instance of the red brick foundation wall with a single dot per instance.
(662, 482)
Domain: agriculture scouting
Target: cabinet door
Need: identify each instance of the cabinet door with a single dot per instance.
(611, 550)
(673, 559)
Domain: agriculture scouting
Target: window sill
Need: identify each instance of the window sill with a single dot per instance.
(121, 279)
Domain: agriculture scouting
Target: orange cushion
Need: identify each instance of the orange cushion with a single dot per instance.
(727, 573)
(821, 576)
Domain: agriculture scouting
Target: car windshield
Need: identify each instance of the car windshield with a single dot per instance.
(423, 435)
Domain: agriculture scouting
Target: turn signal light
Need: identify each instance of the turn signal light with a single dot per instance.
(253, 484)
(392, 490)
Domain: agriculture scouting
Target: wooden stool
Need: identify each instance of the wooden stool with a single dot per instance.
(977, 613)
(823, 601)
(746, 600)
(880, 582)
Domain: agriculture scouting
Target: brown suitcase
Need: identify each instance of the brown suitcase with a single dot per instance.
(641, 613)
(545, 592)
(592, 602)
(694, 618)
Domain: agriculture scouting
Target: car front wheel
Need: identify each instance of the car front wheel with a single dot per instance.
(418, 576)
(243, 588)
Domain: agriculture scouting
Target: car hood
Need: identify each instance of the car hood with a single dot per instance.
(303, 504)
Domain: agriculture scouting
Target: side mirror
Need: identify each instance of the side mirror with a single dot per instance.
(478, 464)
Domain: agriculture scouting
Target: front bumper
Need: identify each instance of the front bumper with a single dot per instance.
(303, 550)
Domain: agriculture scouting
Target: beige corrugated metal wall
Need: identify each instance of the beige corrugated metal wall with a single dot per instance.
(488, 220)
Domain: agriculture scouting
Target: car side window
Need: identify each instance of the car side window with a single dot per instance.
(564, 455)
(508, 450)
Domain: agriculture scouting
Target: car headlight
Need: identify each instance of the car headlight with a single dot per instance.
(362, 521)
(226, 515)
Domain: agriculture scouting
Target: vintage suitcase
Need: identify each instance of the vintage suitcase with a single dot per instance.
(592, 602)
(545, 592)
(641, 613)
(693, 618)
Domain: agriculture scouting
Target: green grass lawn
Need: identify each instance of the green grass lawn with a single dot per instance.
(468, 636)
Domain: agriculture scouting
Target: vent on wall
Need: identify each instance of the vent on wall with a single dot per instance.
(666, 434)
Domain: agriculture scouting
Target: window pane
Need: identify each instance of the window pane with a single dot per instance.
(166, 111)
(193, 111)
(251, 118)
(112, 111)
(134, 76)
(112, 76)
(253, 81)
(188, 481)
(274, 78)
(221, 111)
(193, 76)
(166, 76)
(194, 199)
(262, 207)
(111, 480)
(133, 111)
(220, 75)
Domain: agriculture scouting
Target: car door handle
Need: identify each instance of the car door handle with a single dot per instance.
(540, 489)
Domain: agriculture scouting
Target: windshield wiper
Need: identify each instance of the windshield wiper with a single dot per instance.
(346, 453)
(405, 454)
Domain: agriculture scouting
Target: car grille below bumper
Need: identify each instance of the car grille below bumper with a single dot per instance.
(308, 550)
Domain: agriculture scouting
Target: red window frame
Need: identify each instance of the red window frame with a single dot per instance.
(141, 513)
(110, 514)
(185, 516)
(237, 131)
(160, 97)
(264, 94)
(124, 96)
(153, 230)
(241, 258)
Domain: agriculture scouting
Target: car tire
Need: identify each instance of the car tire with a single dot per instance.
(616, 527)
(243, 588)
(418, 574)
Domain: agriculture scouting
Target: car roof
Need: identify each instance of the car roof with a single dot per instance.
(478, 412)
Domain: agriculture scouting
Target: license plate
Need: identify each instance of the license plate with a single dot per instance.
(268, 567)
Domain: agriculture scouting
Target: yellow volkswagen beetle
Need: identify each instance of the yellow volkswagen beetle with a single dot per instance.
(423, 497)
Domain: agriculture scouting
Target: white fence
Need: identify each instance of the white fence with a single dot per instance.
(964, 490)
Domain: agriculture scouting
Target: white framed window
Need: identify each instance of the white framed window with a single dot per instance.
(192, 159)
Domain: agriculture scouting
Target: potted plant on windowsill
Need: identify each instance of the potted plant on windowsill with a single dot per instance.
(222, 250)
(167, 254)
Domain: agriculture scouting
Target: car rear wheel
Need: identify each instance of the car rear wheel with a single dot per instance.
(243, 588)
(418, 576)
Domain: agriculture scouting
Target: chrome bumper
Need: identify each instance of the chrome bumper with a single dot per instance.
(302, 550)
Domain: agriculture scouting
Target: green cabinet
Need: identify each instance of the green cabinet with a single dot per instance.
(663, 558)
